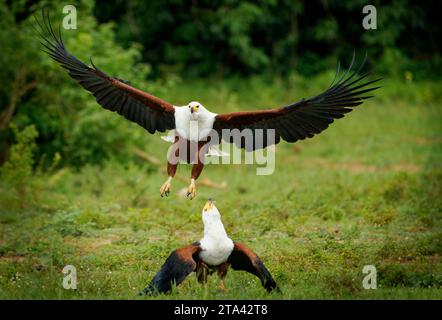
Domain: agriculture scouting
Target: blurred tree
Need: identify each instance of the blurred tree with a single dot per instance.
(16, 172)
(200, 38)
(63, 113)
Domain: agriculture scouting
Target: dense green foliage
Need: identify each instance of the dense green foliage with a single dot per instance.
(230, 36)
(17, 171)
(63, 113)
(366, 191)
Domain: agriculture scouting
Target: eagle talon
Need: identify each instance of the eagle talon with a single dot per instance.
(191, 195)
(222, 287)
(165, 189)
(191, 191)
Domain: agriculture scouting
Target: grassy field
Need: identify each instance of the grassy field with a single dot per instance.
(365, 192)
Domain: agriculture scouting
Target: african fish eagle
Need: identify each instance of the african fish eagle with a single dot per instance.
(214, 252)
(193, 123)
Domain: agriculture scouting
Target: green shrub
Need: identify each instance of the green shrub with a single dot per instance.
(16, 172)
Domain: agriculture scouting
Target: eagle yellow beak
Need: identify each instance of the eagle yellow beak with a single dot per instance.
(209, 205)
(193, 109)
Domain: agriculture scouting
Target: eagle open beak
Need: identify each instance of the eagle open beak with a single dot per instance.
(209, 205)
(192, 110)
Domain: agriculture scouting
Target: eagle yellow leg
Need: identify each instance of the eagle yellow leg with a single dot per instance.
(222, 286)
(222, 272)
(202, 271)
(165, 188)
(191, 191)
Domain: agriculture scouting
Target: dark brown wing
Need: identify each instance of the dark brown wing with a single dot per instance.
(302, 119)
(177, 267)
(111, 93)
(243, 258)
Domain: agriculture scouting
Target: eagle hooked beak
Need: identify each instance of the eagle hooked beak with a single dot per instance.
(209, 205)
(193, 108)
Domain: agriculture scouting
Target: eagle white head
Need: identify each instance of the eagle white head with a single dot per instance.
(193, 121)
(213, 225)
(216, 245)
(196, 109)
(210, 211)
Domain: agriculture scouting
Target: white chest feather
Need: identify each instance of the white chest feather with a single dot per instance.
(215, 250)
(216, 245)
(193, 127)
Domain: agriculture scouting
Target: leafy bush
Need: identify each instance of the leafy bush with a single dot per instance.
(226, 37)
(17, 171)
(59, 108)
(98, 136)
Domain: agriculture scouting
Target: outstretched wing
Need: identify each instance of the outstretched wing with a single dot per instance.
(177, 267)
(111, 93)
(243, 258)
(302, 119)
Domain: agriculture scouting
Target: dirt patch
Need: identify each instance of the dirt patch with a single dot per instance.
(90, 244)
(101, 242)
(407, 167)
(410, 259)
(15, 258)
(422, 140)
(360, 167)
(357, 167)
(434, 259)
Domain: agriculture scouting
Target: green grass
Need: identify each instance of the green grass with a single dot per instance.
(365, 192)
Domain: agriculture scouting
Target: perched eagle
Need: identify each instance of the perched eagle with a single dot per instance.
(214, 252)
(194, 124)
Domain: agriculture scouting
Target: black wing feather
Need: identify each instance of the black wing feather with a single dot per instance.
(111, 93)
(306, 117)
(243, 258)
(177, 267)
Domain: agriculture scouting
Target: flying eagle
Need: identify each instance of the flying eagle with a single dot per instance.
(214, 252)
(193, 123)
